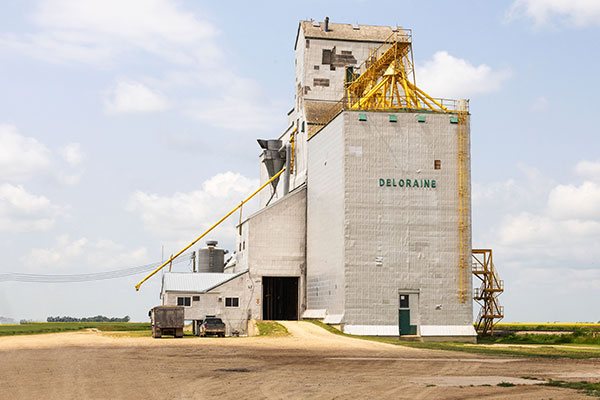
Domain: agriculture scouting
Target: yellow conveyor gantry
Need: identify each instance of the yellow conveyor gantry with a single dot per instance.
(170, 260)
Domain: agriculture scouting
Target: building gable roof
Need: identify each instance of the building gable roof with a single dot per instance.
(197, 282)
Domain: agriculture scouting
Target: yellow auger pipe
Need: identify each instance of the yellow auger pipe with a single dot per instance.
(137, 287)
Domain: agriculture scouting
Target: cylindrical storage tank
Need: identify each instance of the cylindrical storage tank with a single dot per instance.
(211, 258)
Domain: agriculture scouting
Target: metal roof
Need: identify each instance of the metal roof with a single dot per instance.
(195, 281)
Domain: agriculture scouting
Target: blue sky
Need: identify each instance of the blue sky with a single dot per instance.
(129, 126)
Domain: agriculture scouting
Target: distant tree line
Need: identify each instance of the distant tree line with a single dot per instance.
(97, 318)
(7, 321)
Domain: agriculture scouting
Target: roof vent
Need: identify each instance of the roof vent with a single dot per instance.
(315, 23)
(326, 27)
(355, 27)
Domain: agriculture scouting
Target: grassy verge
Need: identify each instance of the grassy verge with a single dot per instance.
(271, 328)
(577, 337)
(547, 327)
(53, 327)
(544, 350)
(589, 388)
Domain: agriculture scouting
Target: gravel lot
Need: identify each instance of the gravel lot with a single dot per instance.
(310, 363)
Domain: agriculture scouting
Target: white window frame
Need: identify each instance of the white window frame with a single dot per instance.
(232, 306)
(184, 297)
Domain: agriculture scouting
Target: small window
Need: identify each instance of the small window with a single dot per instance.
(184, 301)
(244, 245)
(326, 59)
(196, 298)
(316, 67)
(240, 247)
(307, 43)
(232, 301)
(403, 301)
(437, 164)
(332, 67)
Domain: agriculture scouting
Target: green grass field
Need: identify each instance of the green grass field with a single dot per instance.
(558, 327)
(271, 328)
(583, 345)
(52, 327)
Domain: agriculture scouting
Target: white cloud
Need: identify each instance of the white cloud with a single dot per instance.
(103, 33)
(242, 98)
(20, 157)
(72, 154)
(185, 215)
(82, 255)
(529, 192)
(589, 170)
(451, 77)
(575, 202)
(69, 179)
(21, 211)
(96, 32)
(577, 13)
(133, 97)
(561, 228)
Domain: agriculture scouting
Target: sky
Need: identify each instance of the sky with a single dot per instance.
(127, 128)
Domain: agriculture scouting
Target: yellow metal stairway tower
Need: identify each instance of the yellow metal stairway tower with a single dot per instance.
(487, 294)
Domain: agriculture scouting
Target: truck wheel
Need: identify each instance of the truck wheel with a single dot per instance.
(157, 333)
(179, 332)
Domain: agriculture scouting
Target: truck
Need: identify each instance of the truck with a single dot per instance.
(167, 320)
(212, 326)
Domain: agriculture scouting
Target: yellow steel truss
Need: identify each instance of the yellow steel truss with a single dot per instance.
(487, 294)
(386, 80)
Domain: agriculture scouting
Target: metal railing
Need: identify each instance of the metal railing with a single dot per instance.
(318, 123)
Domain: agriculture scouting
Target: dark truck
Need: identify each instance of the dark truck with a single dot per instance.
(167, 320)
(212, 326)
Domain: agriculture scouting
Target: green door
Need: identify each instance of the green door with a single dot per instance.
(404, 321)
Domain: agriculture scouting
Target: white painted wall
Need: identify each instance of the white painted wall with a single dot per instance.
(370, 241)
(213, 303)
(325, 220)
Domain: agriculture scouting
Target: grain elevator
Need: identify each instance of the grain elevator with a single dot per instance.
(369, 226)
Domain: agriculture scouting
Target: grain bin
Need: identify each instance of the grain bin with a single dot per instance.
(211, 258)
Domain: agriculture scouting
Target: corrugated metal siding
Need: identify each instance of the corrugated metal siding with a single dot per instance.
(195, 282)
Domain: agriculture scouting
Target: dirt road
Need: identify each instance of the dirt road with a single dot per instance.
(311, 363)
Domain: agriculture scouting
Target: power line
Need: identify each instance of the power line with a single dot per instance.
(95, 276)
